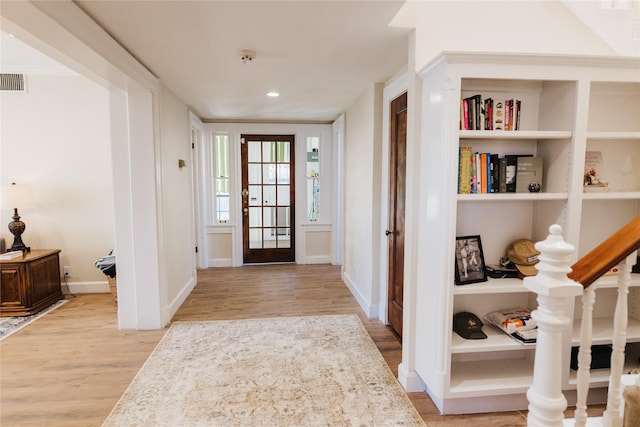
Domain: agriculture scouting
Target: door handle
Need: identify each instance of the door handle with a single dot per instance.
(246, 211)
(386, 233)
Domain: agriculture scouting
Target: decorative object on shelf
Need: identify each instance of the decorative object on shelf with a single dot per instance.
(14, 197)
(515, 322)
(468, 326)
(529, 174)
(524, 256)
(594, 173)
(496, 271)
(470, 267)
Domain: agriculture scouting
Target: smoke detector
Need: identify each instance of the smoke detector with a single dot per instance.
(247, 56)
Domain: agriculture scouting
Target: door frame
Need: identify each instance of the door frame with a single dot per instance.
(389, 93)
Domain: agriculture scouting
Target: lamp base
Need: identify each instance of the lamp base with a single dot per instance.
(19, 246)
(16, 227)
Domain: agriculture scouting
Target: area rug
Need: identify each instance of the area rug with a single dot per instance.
(296, 371)
(11, 325)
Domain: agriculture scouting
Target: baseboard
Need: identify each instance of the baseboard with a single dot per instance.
(85, 287)
(410, 381)
(370, 310)
(220, 262)
(318, 259)
(174, 305)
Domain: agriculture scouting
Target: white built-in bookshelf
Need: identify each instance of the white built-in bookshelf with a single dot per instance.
(569, 105)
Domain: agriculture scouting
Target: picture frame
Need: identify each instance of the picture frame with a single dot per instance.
(470, 266)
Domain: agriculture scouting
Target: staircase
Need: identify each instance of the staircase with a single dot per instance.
(555, 282)
(616, 22)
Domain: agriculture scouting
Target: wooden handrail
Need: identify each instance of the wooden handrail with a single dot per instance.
(608, 254)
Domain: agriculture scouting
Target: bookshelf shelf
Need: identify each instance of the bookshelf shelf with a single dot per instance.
(491, 286)
(496, 341)
(614, 135)
(511, 197)
(514, 134)
(613, 195)
(566, 110)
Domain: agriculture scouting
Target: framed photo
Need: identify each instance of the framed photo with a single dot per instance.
(469, 260)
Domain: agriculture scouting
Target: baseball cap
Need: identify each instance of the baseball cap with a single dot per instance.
(468, 326)
(524, 256)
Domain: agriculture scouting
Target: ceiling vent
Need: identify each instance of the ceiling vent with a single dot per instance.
(12, 82)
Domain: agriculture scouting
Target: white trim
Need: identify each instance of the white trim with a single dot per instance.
(337, 215)
(101, 287)
(370, 310)
(174, 305)
(220, 262)
(411, 381)
(317, 259)
(197, 156)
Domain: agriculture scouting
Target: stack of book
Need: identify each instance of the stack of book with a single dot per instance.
(489, 114)
(482, 173)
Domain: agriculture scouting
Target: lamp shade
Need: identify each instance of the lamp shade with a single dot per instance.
(17, 196)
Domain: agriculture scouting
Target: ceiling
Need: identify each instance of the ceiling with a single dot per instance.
(319, 55)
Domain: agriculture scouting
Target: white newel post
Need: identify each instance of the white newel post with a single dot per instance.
(553, 287)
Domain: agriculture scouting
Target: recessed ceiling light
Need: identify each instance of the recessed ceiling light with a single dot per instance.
(273, 94)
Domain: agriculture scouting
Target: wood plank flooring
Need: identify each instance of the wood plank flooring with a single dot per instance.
(70, 367)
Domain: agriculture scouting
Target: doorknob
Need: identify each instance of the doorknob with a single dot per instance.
(246, 211)
(245, 192)
(386, 233)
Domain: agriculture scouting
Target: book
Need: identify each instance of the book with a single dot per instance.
(464, 172)
(488, 114)
(483, 173)
(529, 174)
(494, 171)
(474, 175)
(511, 170)
(10, 255)
(479, 176)
(502, 175)
(594, 173)
(498, 115)
(526, 337)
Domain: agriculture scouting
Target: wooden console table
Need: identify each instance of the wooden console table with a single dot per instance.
(29, 283)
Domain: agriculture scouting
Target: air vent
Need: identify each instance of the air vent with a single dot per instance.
(12, 82)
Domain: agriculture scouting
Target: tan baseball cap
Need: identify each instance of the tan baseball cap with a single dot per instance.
(524, 256)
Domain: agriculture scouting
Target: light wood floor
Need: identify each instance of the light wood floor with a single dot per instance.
(70, 367)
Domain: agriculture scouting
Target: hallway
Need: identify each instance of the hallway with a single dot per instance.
(70, 367)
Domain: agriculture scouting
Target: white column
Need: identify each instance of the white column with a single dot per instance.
(546, 401)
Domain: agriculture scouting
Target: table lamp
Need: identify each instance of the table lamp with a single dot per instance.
(14, 197)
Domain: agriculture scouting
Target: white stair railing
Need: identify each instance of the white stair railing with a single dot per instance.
(546, 401)
(613, 414)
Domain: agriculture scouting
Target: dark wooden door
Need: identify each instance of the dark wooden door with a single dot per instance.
(268, 198)
(395, 233)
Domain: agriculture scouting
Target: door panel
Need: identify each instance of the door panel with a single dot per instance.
(395, 233)
(268, 198)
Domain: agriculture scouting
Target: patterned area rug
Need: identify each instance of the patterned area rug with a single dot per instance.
(300, 371)
(11, 325)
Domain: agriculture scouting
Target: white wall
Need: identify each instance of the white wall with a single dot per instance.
(525, 26)
(56, 138)
(362, 148)
(178, 237)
